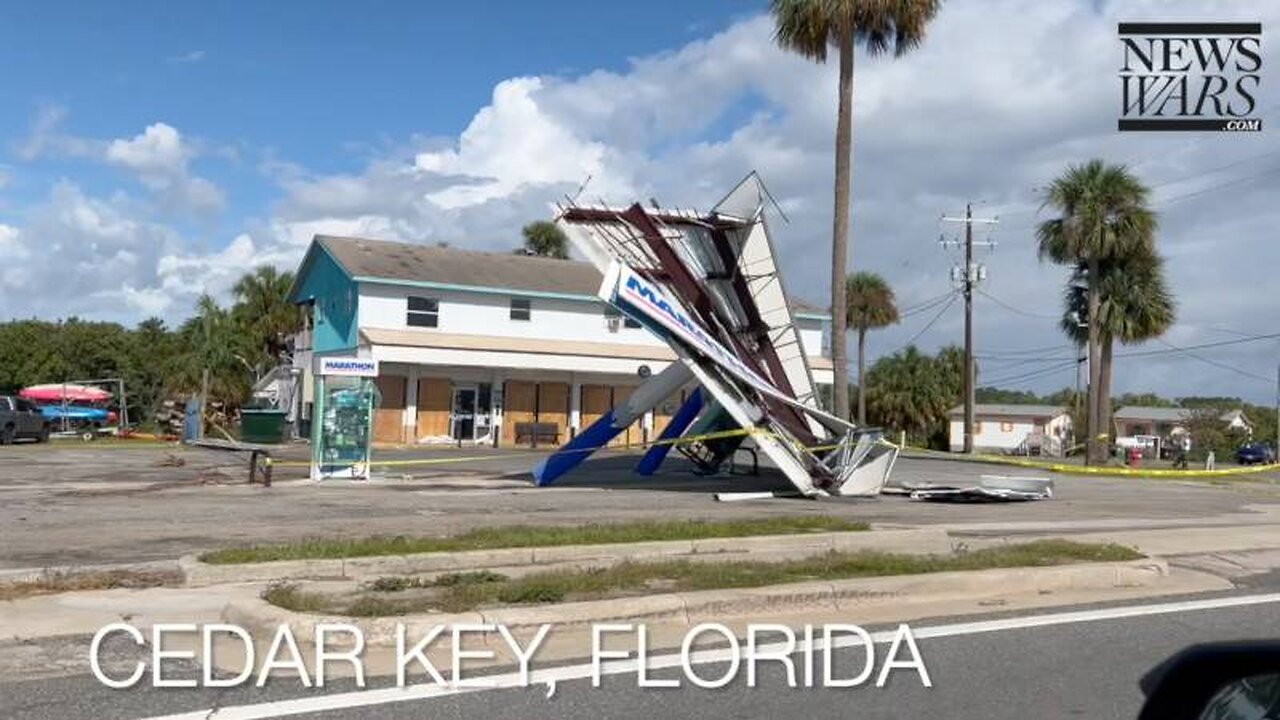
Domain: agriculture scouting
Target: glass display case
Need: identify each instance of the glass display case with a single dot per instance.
(342, 428)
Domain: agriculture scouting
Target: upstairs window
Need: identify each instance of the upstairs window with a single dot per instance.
(521, 308)
(423, 312)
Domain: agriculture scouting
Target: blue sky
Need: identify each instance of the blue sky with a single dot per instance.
(306, 77)
(326, 83)
(153, 151)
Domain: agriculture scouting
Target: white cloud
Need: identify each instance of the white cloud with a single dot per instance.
(47, 137)
(149, 302)
(510, 144)
(160, 158)
(187, 58)
(75, 253)
(10, 248)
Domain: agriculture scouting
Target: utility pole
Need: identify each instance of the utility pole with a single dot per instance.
(1278, 410)
(969, 275)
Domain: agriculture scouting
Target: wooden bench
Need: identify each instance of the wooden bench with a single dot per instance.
(537, 432)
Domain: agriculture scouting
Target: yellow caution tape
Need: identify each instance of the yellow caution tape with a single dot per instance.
(719, 435)
(1066, 468)
(1070, 468)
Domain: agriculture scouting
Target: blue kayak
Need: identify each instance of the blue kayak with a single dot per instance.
(74, 413)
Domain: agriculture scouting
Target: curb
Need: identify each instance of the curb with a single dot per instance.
(920, 541)
(261, 618)
(34, 574)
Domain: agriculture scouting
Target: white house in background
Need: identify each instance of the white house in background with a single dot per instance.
(1155, 428)
(1015, 429)
(477, 347)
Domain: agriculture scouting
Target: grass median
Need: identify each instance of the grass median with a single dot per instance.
(460, 592)
(516, 536)
(52, 582)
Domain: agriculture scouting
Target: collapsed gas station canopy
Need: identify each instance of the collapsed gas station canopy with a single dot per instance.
(708, 284)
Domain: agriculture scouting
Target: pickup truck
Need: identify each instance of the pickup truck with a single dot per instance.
(21, 418)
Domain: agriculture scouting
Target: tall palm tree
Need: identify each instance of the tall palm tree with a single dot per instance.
(1103, 217)
(870, 305)
(809, 27)
(1137, 306)
(263, 310)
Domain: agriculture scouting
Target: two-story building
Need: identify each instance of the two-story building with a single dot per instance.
(474, 345)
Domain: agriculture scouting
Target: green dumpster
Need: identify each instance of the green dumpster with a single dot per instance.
(262, 426)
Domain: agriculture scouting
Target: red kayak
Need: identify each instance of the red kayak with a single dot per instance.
(57, 392)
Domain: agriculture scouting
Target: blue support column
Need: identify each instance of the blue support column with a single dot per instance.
(680, 422)
(576, 450)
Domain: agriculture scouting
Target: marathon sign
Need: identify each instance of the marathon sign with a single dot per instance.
(347, 366)
(633, 292)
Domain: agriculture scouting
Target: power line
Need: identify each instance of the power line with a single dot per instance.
(927, 325)
(1030, 375)
(1014, 309)
(1023, 351)
(1212, 188)
(1210, 171)
(1006, 363)
(926, 306)
(1202, 346)
(1215, 363)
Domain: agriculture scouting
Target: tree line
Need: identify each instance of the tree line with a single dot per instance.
(236, 344)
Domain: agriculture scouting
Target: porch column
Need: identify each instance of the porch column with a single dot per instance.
(575, 405)
(497, 405)
(411, 404)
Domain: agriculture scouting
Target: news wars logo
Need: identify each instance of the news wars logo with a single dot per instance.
(1190, 76)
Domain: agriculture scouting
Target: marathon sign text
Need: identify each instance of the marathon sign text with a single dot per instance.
(348, 366)
(1190, 76)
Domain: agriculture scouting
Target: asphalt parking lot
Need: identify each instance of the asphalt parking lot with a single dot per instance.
(96, 503)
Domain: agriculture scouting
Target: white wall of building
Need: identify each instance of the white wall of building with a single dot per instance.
(811, 336)
(386, 306)
(1005, 433)
(471, 313)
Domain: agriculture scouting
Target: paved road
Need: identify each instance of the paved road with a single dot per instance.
(85, 505)
(1034, 665)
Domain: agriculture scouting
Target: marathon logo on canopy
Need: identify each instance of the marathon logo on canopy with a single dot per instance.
(348, 366)
(650, 301)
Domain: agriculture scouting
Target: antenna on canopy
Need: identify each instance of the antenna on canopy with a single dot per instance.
(574, 200)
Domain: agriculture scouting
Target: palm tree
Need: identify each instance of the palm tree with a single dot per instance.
(809, 27)
(545, 239)
(869, 305)
(212, 341)
(1137, 306)
(263, 310)
(1104, 216)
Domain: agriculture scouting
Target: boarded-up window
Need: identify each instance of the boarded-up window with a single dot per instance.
(388, 419)
(553, 406)
(433, 407)
(520, 402)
